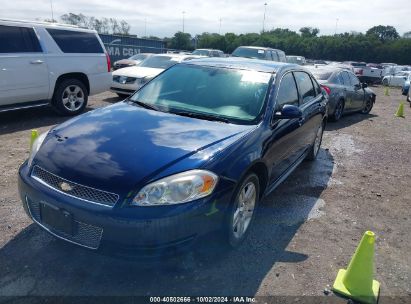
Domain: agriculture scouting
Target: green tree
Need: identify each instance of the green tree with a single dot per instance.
(309, 32)
(383, 32)
(181, 41)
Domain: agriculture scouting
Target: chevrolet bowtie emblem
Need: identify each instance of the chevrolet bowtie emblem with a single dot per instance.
(65, 186)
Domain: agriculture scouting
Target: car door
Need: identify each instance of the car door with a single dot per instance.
(23, 68)
(282, 144)
(349, 92)
(358, 93)
(312, 103)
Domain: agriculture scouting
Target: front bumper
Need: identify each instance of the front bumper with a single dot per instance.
(126, 89)
(124, 228)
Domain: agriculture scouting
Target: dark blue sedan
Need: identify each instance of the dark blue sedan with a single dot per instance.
(192, 151)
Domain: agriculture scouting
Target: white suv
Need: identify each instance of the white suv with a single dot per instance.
(47, 63)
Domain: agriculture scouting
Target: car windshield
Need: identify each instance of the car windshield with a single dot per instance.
(201, 52)
(249, 53)
(138, 57)
(295, 59)
(160, 62)
(233, 95)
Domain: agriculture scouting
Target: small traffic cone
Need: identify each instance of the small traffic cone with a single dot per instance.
(34, 135)
(356, 281)
(387, 91)
(400, 111)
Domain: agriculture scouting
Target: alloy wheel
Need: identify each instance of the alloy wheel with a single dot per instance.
(338, 110)
(73, 98)
(368, 106)
(244, 210)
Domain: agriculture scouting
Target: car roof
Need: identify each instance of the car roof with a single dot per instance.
(243, 64)
(45, 24)
(259, 48)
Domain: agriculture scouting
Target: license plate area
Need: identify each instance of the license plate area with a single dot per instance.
(56, 218)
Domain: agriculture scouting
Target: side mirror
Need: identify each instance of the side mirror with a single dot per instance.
(288, 112)
(364, 85)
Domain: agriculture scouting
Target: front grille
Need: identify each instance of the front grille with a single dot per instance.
(73, 189)
(124, 79)
(84, 234)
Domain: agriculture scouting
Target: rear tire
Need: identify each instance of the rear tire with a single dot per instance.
(409, 97)
(70, 97)
(339, 109)
(241, 214)
(315, 148)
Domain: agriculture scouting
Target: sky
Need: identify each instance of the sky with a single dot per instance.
(163, 18)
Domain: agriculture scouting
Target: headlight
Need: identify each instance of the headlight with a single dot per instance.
(36, 146)
(177, 189)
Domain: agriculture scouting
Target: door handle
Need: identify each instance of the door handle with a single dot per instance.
(37, 62)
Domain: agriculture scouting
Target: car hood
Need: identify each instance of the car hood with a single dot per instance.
(124, 146)
(138, 72)
(127, 61)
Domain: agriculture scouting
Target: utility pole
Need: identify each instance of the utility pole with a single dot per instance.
(219, 30)
(183, 20)
(52, 13)
(265, 10)
(336, 26)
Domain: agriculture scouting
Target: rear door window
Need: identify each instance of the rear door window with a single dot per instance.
(287, 92)
(76, 42)
(305, 86)
(15, 39)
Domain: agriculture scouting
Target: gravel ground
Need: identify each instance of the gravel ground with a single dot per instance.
(306, 230)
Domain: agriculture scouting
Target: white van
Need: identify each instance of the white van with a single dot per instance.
(46, 63)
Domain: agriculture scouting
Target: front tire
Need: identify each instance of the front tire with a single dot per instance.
(315, 148)
(385, 82)
(70, 97)
(242, 211)
(368, 106)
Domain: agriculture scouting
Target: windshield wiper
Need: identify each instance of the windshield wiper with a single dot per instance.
(145, 105)
(202, 116)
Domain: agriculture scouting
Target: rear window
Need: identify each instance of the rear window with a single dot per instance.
(358, 64)
(138, 57)
(249, 53)
(18, 40)
(321, 75)
(201, 52)
(76, 42)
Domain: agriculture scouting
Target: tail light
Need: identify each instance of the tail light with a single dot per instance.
(108, 62)
(360, 72)
(327, 89)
